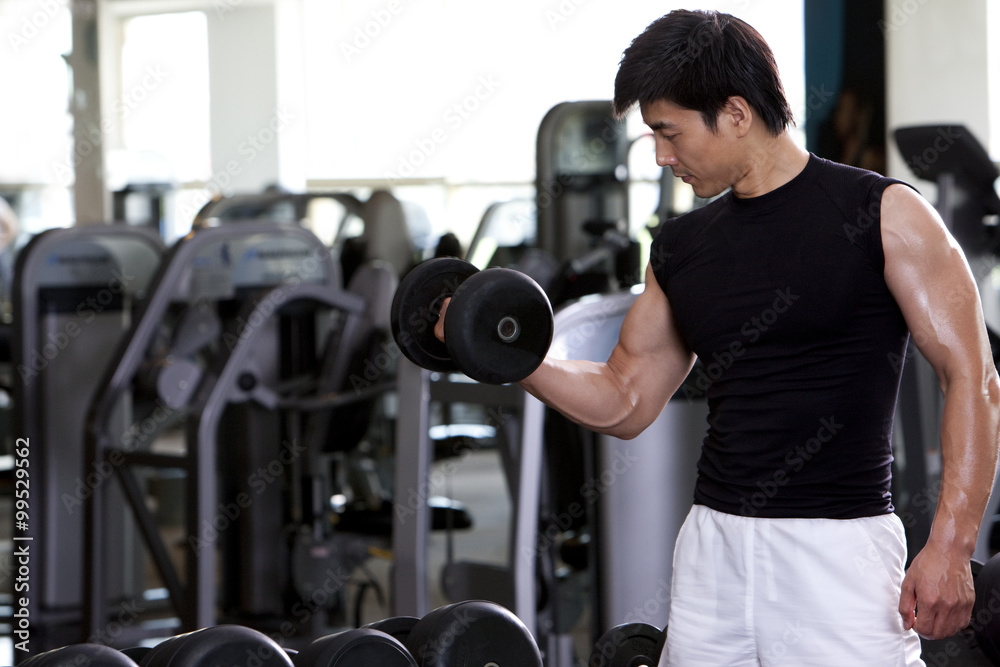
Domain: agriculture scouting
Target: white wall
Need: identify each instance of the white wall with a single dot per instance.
(937, 56)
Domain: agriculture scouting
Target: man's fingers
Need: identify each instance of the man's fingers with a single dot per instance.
(439, 325)
(908, 604)
(941, 623)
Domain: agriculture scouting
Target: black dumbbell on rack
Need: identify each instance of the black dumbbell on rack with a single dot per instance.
(473, 632)
(629, 645)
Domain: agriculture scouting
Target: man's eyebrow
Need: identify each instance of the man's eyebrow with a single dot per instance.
(661, 125)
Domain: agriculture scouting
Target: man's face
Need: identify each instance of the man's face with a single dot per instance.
(700, 157)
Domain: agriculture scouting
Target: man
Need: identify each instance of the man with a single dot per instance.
(803, 283)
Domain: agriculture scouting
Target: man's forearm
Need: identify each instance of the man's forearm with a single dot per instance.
(970, 437)
(588, 393)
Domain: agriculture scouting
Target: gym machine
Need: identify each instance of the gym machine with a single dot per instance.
(582, 199)
(245, 343)
(341, 215)
(382, 227)
(76, 293)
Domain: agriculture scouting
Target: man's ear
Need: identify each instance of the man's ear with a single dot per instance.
(736, 115)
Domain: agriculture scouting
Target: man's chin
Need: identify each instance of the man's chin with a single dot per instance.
(704, 191)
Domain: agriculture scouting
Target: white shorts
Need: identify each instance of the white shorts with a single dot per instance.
(788, 592)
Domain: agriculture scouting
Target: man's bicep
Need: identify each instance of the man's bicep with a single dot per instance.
(651, 351)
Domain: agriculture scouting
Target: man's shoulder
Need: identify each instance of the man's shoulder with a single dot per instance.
(831, 172)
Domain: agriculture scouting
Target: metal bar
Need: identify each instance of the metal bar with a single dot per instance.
(524, 549)
(411, 515)
(165, 461)
(475, 392)
(157, 550)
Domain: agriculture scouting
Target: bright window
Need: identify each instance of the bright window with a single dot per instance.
(163, 105)
(456, 90)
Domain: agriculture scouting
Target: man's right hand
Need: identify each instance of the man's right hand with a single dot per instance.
(439, 325)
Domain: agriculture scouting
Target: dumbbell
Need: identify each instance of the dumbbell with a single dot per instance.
(985, 622)
(629, 645)
(359, 647)
(93, 655)
(218, 645)
(395, 626)
(499, 323)
(472, 632)
(462, 634)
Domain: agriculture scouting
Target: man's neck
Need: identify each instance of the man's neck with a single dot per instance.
(770, 162)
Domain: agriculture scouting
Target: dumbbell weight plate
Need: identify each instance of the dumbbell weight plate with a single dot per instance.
(628, 645)
(94, 655)
(499, 326)
(985, 622)
(355, 648)
(474, 633)
(137, 653)
(415, 308)
(218, 645)
(395, 626)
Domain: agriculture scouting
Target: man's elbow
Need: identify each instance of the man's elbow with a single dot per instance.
(621, 431)
(630, 424)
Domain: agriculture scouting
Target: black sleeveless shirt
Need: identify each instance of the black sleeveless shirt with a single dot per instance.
(800, 344)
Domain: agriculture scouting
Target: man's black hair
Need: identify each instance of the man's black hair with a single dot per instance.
(698, 60)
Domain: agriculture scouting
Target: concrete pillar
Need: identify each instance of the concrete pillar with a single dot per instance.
(91, 200)
(251, 125)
